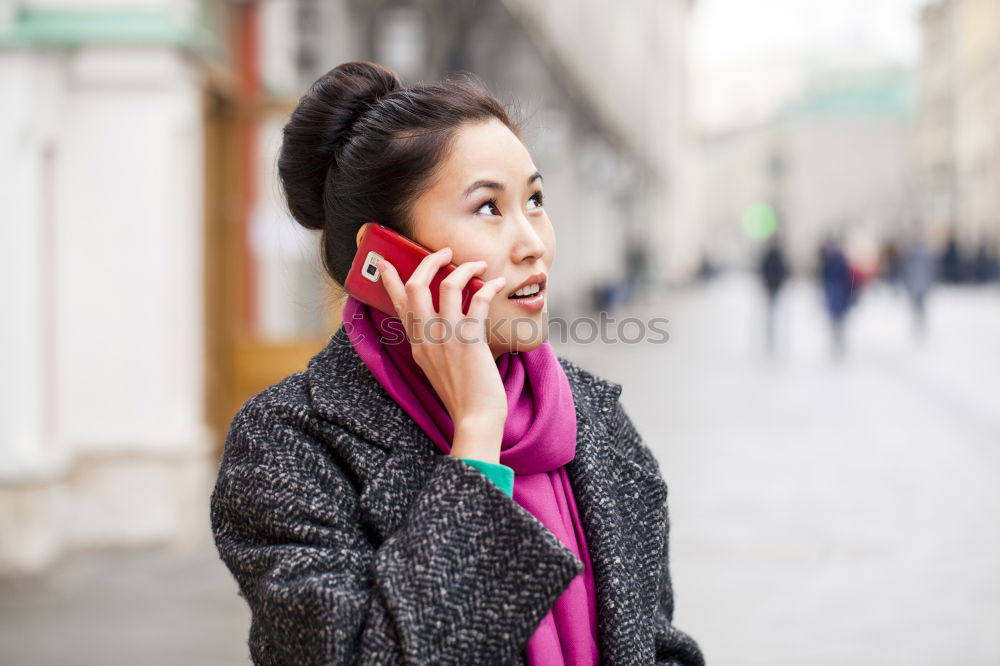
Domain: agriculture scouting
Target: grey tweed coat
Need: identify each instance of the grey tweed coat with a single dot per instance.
(355, 540)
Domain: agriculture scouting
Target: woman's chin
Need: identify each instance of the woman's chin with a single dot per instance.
(519, 343)
(518, 329)
(530, 344)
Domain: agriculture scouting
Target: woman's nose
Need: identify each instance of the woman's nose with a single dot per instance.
(528, 243)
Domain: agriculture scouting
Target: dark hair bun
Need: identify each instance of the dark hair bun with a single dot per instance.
(319, 128)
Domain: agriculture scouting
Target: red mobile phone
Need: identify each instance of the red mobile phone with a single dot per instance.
(379, 241)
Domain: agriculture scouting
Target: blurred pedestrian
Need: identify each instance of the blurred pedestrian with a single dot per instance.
(707, 269)
(636, 268)
(919, 270)
(603, 296)
(985, 265)
(952, 261)
(890, 263)
(838, 290)
(773, 271)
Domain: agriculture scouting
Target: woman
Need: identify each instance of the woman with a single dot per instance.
(367, 506)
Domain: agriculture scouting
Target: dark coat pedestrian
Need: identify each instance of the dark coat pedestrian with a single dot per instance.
(837, 281)
(774, 272)
(773, 268)
(838, 290)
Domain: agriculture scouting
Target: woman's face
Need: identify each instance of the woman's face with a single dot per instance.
(485, 203)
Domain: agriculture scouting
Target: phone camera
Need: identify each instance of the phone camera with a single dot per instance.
(370, 270)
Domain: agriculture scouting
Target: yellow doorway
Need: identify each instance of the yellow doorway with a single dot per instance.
(242, 355)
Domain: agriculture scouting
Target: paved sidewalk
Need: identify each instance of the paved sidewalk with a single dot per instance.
(149, 608)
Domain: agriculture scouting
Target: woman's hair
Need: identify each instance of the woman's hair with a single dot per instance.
(361, 147)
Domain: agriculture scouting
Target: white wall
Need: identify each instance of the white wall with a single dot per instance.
(102, 435)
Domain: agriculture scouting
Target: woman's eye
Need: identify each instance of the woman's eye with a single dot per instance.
(491, 205)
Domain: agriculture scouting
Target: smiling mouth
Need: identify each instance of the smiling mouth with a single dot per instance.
(533, 291)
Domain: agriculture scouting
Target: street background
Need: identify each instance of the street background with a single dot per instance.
(807, 194)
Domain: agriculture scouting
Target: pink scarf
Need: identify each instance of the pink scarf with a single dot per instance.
(539, 438)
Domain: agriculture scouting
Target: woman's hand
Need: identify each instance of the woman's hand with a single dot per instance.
(452, 350)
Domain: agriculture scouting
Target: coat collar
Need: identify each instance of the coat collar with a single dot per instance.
(622, 504)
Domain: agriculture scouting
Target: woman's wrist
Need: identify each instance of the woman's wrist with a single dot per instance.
(477, 440)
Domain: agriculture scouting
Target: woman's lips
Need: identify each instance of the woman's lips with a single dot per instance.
(531, 303)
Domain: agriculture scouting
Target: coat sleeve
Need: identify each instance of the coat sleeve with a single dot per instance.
(498, 473)
(465, 579)
(673, 647)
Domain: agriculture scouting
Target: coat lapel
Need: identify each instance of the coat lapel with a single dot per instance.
(402, 459)
(621, 503)
(623, 509)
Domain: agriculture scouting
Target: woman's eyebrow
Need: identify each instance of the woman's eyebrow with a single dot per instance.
(493, 185)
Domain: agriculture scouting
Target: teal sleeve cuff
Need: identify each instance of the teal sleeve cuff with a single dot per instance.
(501, 475)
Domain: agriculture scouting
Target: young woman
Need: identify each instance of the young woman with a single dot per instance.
(434, 497)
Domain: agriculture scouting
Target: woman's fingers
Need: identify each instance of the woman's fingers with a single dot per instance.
(418, 286)
(480, 305)
(414, 297)
(393, 285)
(452, 286)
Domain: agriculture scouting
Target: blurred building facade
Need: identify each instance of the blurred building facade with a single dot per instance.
(153, 279)
(959, 139)
(631, 62)
(836, 160)
(103, 439)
